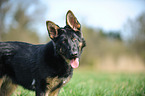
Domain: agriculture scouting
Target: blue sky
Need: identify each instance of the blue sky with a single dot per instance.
(105, 14)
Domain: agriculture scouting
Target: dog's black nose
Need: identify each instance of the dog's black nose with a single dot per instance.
(74, 54)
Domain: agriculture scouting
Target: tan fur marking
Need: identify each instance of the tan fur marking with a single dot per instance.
(67, 80)
(52, 29)
(80, 44)
(72, 21)
(53, 82)
(7, 87)
(51, 36)
(1, 81)
(54, 93)
(78, 25)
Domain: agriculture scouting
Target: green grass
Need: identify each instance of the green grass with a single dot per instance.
(100, 84)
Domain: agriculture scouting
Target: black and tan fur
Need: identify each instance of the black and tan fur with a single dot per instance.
(42, 68)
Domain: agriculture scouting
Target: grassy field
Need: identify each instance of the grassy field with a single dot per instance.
(99, 84)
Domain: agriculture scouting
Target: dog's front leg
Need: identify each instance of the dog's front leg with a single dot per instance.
(55, 92)
(40, 93)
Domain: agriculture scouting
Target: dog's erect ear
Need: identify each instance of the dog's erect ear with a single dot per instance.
(52, 29)
(72, 21)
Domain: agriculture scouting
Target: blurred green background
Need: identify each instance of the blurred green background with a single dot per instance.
(109, 50)
(118, 50)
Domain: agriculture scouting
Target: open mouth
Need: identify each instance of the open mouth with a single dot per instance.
(74, 63)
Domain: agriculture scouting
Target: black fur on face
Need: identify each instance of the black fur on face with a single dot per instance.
(68, 41)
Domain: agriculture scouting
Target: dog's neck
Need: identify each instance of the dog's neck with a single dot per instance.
(55, 53)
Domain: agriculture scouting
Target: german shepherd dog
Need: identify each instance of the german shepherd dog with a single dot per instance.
(43, 68)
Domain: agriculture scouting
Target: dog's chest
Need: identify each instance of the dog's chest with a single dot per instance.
(55, 83)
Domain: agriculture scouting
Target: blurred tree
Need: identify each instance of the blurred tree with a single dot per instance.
(18, 31)
(113, 35)
(3, 10)
(100, 44)
(136, 40)
(17, 16)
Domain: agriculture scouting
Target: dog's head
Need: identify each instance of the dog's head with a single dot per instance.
(69, 41)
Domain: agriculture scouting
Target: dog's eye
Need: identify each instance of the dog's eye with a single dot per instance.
(74, 39)
(63, 42)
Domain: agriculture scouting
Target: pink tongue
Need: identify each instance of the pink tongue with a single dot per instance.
(74, 63)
